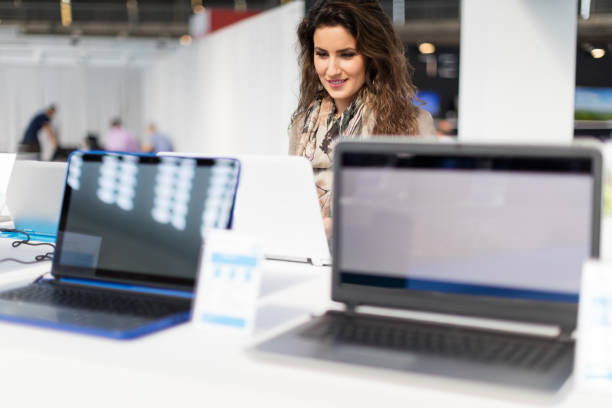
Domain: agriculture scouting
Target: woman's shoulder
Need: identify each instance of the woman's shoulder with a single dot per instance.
(295, 131)
(425, 123)
(368, 122)
(297, 120)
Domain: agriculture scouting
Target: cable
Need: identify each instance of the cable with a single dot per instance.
(26, 241)
(40, 277)
(48, 256)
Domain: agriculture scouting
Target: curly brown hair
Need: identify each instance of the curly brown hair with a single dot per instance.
(388, 91)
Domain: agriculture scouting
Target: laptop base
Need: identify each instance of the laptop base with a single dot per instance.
(307, 341)
(91, 311)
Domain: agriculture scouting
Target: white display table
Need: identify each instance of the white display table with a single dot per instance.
(184, 366)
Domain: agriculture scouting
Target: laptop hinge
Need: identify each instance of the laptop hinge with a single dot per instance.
(550, 331)
(350, 308)
(566, 334)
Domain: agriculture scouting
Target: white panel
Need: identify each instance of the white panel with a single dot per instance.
(87, 98)
(90, 82)
(517, 70)
(232, 91)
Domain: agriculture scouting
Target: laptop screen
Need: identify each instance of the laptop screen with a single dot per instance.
(485, 224)
(141, 219)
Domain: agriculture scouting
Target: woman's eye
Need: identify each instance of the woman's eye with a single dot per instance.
(348, 55)
(321, 54)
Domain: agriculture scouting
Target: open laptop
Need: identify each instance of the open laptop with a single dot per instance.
(6, 166)
(34, 197)
(128, 244)
(277, 203)
(497, 233)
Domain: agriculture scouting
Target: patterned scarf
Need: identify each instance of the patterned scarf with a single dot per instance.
(322, 130)
(322, 127)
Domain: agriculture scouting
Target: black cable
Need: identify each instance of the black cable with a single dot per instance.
(26, 241)
(48, 256)
(40, 278)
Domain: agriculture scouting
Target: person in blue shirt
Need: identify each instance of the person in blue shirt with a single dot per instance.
(157, 141)
(30, 142)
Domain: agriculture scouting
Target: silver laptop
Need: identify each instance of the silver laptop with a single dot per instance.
(497, 233)
(6, 166)
(34, 197)
(277, 203)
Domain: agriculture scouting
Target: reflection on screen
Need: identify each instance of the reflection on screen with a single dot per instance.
(143, 218)
(518, 234)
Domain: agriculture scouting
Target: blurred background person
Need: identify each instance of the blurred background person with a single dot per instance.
(120, 139)
(157, 141)
(91, 142)
(30, 142)
(445, 128)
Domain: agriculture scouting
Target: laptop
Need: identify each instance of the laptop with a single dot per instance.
(128, 244)
(277, 202)
(468, 258)
(34, 197)
(6, 165)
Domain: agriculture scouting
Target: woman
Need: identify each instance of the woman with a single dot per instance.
(356, 82)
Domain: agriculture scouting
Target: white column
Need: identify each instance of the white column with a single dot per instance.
(517, 70)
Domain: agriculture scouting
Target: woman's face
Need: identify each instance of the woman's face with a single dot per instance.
(341, 69)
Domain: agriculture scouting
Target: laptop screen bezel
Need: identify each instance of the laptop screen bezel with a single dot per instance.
(563, 314)
(126, 277)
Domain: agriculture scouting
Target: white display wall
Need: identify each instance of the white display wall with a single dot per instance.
(232, 91)
(87, 98)
(517, 71)
(90, 79)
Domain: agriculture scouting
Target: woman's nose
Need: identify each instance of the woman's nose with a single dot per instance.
(333, 68)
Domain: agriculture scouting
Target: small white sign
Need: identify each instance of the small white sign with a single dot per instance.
(229, 281)
(594, 344)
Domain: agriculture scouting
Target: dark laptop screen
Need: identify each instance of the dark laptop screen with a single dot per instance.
(141, 219)
(488, 225)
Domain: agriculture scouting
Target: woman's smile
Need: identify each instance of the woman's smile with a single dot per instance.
(336, 83)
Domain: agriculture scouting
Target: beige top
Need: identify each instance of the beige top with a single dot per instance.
(321, 156)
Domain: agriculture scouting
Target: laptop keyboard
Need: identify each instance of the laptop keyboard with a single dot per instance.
(450, 342)
(50, 293)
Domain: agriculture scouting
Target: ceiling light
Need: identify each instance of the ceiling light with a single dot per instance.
(240, 5)
(427, 48)
(585, 9)
(598, 52)
(185, 40)
(66, 12)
